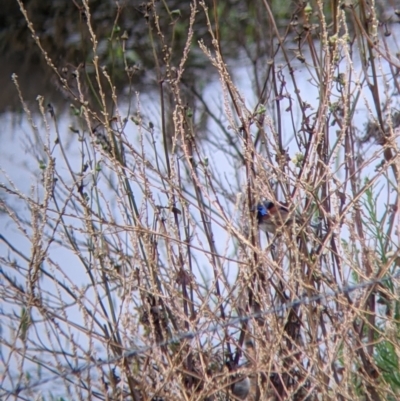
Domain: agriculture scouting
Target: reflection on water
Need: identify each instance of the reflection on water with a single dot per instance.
(124, 46)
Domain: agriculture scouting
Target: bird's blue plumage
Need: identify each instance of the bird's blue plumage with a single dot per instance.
(269, 216)
(262, 210)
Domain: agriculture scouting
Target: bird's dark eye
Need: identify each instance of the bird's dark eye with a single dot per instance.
(269, 205)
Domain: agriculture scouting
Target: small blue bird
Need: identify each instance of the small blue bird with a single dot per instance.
(270, 217)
